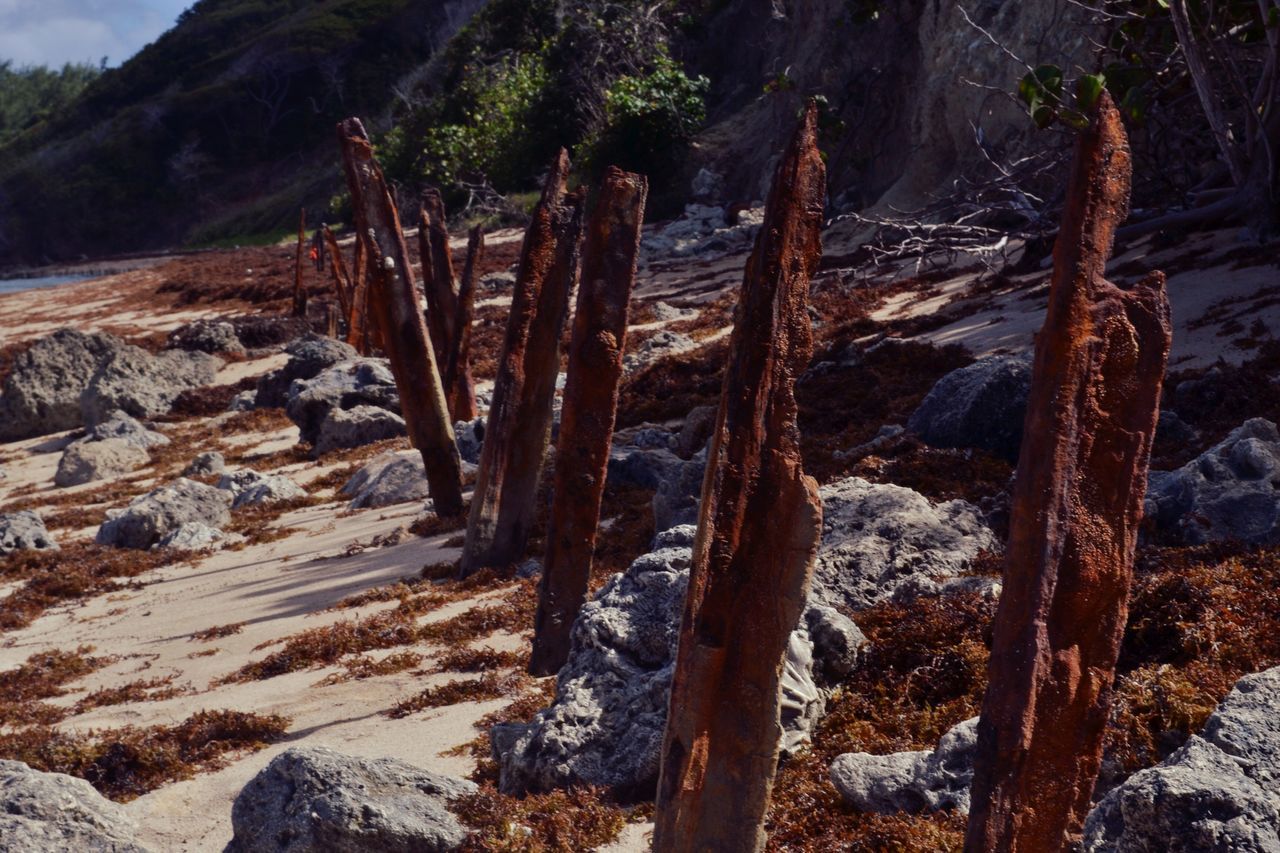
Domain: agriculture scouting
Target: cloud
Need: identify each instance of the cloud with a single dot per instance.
(52, 32)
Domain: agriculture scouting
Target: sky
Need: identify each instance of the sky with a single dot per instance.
(51, 32)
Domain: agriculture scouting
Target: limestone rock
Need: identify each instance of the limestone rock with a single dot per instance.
(470, 438)
(197, 536)
(927, 780)
(1228, 492)
(308, 356)
(355, 427)
(119, 425)
(661, 344)
(316, 800)
(605, 727)
(23, 531)
(142, 385)
(211, 336)
(980, 406)
(345, 385)
(251, 488)
(676, 497)
(86, 461)
(206, 464)
(42, 392)
(53, 812)
(149, 518)
(396, 477)
(880, 541)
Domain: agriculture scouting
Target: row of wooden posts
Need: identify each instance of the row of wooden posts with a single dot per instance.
(1099, 364)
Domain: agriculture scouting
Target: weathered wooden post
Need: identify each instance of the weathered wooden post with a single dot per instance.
(519, 424)
(394, 303)
(1095, 394)
(590, 402)
(299, 290)
(460, 387)
(758, 532)
(360, 331)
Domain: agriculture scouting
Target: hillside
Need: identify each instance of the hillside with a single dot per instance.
(221, 127)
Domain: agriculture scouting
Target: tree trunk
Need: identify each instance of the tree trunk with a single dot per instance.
(519, 424)
(590, 403)
(1082, 474)
(758, 530)
(393, 301)
(458, 380)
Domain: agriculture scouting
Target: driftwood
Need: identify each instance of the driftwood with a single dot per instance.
(758, 531)
(519, 423)
(590, 402)
(393, 301)
(1099, 364)
(341, 281)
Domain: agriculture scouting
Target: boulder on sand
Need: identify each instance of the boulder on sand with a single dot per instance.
(119, 425)
(149, 518)
(981, 406)
(392, 478)
(86, 461)
(252, 488)
(316, 800)
(308, 356)
(143, 385)
(346, 385)
(925, 780)
(24, 531)
(356, 427)
(53, 811)
(211, 336)
(42, 392)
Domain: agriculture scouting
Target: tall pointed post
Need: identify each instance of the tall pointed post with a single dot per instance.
(609, 256)
(341, 281)
(394, 302)
(460, 387)
(519, 426)
(299, 289)
(758, 532)
(1095, 393)
(360, 330)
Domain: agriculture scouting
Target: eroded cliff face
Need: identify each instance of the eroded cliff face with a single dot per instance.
(917, 88)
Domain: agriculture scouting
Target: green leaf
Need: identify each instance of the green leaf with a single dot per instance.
(1050, 78)
(1043, 116)
(1088, 90)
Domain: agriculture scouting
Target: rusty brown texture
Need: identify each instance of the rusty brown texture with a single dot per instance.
(519, 424)
(758, 530)
(362, 331)
(341, 281)
(460, 386)
(609, 256)
(1099, 364)
(440, 302)
(299, 289)
(393, 302)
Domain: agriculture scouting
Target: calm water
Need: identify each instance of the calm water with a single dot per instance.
(15, 284)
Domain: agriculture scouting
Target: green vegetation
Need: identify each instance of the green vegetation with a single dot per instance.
(31, 95)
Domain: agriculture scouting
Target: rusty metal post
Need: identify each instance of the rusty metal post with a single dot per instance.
(394, 302)
(460, 387)
(609, 257)
(758, 532)
(341, 281)
(299, 290)
(1095, 394)
(519, 425)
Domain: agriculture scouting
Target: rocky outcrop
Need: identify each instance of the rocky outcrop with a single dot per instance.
(151, 517)
(1231, 491)
(470, 438)
(206, 464)
(197, 536)
(356, 427)
(926, 780)
(24, 531)
(359, 382)
(980, 406)
(252, 488)
(882, 541)
(660, 344)
(42, 392)
(702, 231)
(53, 812)
(675, 499)
(142, 385)
(308, 356)
(118, 425)
(211, 336)
(86, 461)
(316, 800)
(1220, 791)
(606, 724)
(392, 478)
